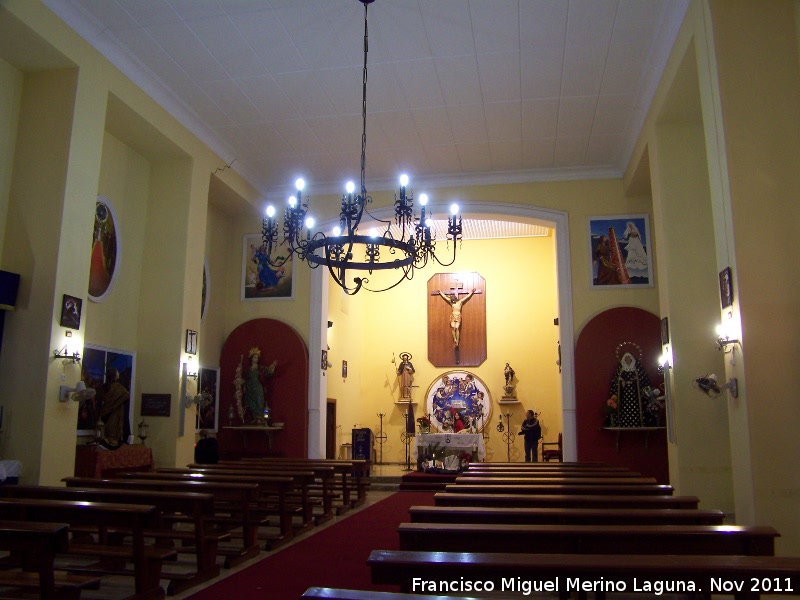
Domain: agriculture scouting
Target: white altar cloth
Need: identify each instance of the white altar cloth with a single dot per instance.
(450, 443)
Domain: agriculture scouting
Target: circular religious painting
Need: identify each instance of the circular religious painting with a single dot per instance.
(457, 401)
(105, 251)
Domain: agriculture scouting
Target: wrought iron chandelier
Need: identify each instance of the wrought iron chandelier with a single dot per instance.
(409, 247)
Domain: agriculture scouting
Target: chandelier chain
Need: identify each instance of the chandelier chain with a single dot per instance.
(337, 251)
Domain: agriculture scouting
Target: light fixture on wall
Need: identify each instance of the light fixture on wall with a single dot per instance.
(709, 386)
(724, 341)
(69, 357)
(341, 252)
(79, 393)
(726, 336)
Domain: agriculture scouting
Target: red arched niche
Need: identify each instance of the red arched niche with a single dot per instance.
(595, 365)
(287, 388)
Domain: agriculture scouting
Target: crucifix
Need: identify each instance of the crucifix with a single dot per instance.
(452, 298)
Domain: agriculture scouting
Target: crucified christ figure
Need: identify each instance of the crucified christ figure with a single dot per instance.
(455, 315)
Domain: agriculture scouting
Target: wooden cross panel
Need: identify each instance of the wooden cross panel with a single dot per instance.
(472, 339)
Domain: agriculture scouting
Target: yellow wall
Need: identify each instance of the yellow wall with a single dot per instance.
(77, 128)
(521, 303)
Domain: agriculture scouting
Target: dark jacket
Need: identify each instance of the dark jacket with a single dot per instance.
(532, 430)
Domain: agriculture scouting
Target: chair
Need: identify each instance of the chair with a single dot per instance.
(556, 452)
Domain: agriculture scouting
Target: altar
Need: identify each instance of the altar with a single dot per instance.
(449, 443)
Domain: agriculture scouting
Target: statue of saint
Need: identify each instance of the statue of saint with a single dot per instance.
(508, 373)
(251, 387)
(455, 315)
(405, 371)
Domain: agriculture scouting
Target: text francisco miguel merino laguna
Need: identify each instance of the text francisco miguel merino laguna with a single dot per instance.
(601, 584)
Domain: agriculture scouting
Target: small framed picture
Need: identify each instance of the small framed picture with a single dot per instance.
(344, 369)
(191, 342)
(726, 287)
(71, 312)
(664, 331)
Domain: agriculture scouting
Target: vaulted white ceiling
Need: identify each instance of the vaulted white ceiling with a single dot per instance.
(459, 91)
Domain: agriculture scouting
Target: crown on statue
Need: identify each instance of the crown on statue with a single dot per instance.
(254, 352)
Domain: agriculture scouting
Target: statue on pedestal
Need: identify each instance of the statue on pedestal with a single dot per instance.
(508, 387)
(250, 390)
(405, 372)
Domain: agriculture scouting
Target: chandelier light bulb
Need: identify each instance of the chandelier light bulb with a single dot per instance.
(454, 209)
(423, 199)
(292, 201)
(350, 187)
(270, 211)
(428, 222)
(403, 180)
(309, 222)
(300, 184)
(337, 231)
(373, 233)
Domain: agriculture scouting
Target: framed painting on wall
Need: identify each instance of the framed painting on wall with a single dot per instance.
(71, 312)
(260, 280)
(620, 251)
(106, 250)
(208, 409)
(96, 362)
(458, 400)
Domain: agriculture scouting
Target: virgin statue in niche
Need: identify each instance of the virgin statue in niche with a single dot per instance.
(251, 390)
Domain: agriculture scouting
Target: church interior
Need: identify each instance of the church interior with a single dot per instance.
(694, 171)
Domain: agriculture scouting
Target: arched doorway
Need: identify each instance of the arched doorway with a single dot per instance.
(317, 398)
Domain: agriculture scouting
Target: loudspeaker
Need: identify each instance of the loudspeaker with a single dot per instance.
(9, 285)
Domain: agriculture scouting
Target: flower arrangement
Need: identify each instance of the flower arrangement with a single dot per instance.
(424, 423)
(654, 406)
(612, 410)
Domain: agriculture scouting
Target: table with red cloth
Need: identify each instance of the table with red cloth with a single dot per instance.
(93, 462)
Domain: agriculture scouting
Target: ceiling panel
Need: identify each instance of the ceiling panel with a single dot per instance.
(487, 90)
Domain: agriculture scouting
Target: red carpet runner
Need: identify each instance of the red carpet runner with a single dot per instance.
(333, 557)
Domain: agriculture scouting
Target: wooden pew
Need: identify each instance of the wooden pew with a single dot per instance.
(196, 508)
(35, 546)
(305, 479)
(542, 474)
(557, 480)
(354, 474)
(272, 497)
(545, 465)
(781, 574)
(324, 475)
(548, 489)
(565, 500)
(588, 539)
(136, 518)
(564, 516)
(237, 496)
(318, 593)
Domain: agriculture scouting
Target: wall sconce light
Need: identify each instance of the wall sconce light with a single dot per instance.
(192, 375)
(69, 358)
(726, 334)
(665, 360)
(143, 431)
(723, 342)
